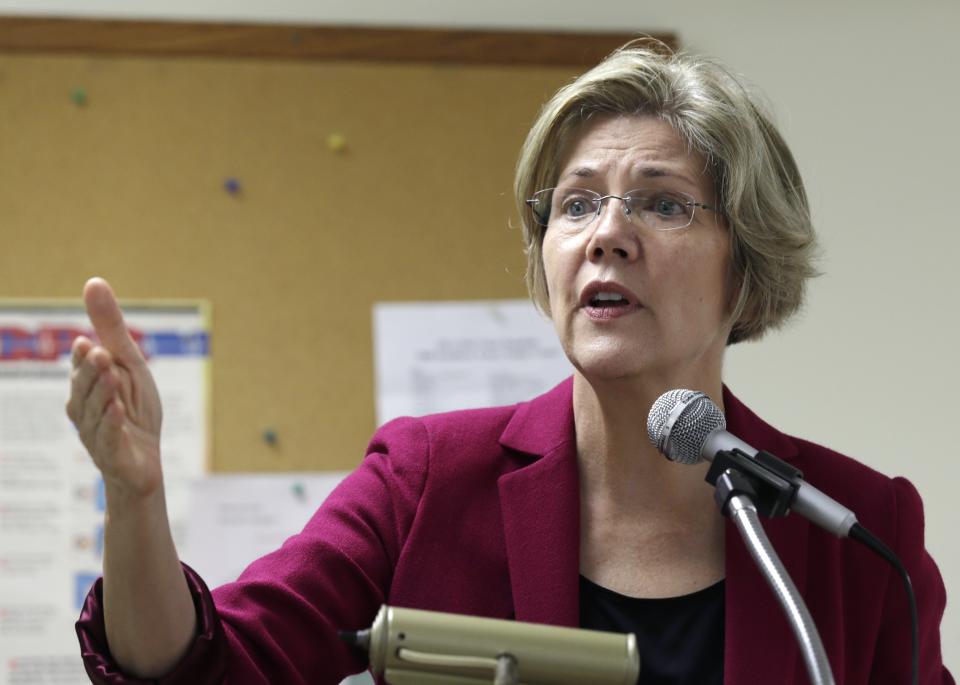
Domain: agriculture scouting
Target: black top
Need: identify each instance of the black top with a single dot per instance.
(680, 639)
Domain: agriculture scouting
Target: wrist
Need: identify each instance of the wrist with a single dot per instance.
(129, 504)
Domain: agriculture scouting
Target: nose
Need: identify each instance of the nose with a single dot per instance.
(613, 235)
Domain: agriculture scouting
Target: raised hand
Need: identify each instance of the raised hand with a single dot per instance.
(114, 401)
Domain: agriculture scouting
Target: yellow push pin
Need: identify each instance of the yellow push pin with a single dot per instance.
(336, 142)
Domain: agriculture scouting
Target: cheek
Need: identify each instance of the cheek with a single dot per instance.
(695, 276)
(717, 291)
(554, 270)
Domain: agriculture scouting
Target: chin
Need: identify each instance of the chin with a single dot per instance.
(607, 362)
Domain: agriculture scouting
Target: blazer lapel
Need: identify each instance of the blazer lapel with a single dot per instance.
(540, 505)
(759, 644)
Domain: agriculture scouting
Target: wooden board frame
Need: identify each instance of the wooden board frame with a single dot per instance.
(310, 42)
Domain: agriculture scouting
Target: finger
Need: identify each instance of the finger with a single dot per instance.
(130, 398)
(107, 320)
(78, 352)
(104, 391)
(78, 349)
(82, 380)
(110, 432)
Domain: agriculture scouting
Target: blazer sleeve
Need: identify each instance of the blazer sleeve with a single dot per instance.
(278, 622)
(892, 659)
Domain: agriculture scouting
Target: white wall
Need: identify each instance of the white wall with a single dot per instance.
(867, 94)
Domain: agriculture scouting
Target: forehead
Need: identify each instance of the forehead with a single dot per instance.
(632, 147)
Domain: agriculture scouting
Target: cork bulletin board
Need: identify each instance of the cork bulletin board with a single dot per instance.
(290, 176)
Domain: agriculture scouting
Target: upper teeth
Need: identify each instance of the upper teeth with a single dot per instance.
(609, 296)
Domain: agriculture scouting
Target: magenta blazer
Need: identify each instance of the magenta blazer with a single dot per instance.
(477, 512)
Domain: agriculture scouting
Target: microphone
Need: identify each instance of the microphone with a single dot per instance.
(687, 427)
(413, 647)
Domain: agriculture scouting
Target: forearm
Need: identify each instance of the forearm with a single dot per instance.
(149, 614)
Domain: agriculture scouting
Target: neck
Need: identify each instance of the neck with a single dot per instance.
(616, 458)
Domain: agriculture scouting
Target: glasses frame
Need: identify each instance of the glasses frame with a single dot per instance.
(625, 199)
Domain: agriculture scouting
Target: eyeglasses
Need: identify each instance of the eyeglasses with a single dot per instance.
(576, 208)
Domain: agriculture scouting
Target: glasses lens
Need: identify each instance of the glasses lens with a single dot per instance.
(662, 210)
(574, 206)
(564, 207)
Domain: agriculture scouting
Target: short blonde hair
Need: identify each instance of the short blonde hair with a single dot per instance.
(758, 185)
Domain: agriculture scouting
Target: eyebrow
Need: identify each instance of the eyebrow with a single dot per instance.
(645, 172)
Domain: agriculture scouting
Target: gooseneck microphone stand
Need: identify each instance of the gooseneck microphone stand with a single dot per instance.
(746, 488)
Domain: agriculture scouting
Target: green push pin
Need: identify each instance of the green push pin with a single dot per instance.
(299, 490)
(79, 97)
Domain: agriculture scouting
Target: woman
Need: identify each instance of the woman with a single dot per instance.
(664, 220)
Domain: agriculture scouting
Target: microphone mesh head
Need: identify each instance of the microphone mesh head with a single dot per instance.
(680, 422)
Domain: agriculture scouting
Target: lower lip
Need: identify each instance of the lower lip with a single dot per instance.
(607, 313)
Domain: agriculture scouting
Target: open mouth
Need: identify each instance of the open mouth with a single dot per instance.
(604, 300)
(607, 300)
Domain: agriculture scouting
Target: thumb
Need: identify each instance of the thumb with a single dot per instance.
(107, 320)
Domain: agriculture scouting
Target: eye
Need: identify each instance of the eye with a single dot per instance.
(669, 205)
(576, 205)
(660, 204)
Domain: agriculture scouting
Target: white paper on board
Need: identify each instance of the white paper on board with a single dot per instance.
(236, 518)
(439, 356)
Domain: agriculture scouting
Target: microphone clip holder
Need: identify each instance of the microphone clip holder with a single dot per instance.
(770, 483)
